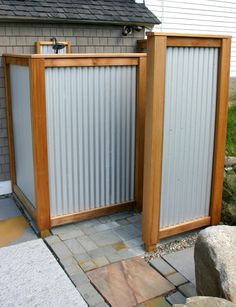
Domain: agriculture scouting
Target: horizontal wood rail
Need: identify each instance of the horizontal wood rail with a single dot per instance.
(94, 213)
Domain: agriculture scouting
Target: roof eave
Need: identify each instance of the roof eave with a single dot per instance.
(78, 21)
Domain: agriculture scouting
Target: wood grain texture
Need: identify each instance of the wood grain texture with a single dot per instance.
(175, 41)
(17, 61)
(130, 282)
(24, 200)
(40, 152)
(140, 128)
(10, 133)
(91, 62)
(154, 122)
(75, 55)
(190, 225)
(169, 34)
(94, 213)
(38, 45)
(220, 131)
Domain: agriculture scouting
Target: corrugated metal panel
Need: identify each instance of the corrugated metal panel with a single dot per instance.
(20, 100)
(91, 136)
(47, 49)
(189, 121)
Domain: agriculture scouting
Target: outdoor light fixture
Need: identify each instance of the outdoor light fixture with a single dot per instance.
(57, 46)
(129, 29)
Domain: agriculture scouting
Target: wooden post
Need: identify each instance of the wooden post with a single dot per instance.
(140, 126)
(9, 124)
(220, 131)
(40, 152)
(156, 66)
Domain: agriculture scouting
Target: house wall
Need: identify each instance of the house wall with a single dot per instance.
(205, 16)
(20, 38)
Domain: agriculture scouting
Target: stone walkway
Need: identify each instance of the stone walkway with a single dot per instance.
(85, 246)
(14, 227)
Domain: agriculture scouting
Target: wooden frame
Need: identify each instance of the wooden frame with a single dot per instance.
(47, 43)
(37, 65)
(157, 44)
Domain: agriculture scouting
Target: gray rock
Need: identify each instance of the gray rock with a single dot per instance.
(230, 161)
(215, 262)
(204, 301)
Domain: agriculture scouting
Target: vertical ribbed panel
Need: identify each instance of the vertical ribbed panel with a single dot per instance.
(189, 122)
(47, 49)
(91, 136)
(21, 115)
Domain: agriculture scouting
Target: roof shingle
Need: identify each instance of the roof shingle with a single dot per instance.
(91, 11)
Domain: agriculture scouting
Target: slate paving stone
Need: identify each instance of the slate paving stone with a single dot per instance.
(188, 290)
(135, 218)
(52, 239)
(134, 242)
(114, 257)
(87, 224)
(176, 298)
(177, 279)
(74, 246)
(8, 209)
(61, 250)
(127, 232)
(183, 262)
(71, 234)
(102, 251)
(104, 219)
(121, 215)
(87, 243)
(138, 250)
(63, 229)
(87, 265)
(123, 222)
(100, 261)
(156, 302)
(103, 304)
(119, 246)
(91, 296)
(104, 238)
(82, 257)
(79, 278)
(162, 266)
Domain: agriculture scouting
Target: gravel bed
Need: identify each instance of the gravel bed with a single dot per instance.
(171, 246)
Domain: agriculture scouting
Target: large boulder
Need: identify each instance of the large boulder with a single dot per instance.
(206, 301)
(215, 262)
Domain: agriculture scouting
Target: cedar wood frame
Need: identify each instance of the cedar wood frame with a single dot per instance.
(37, 65)
(38, 45)
(157, 44)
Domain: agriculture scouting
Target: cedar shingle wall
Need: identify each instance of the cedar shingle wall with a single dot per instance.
(20, 38)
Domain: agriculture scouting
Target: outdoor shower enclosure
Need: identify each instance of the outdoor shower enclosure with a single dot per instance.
(76, 133)
(185, 132)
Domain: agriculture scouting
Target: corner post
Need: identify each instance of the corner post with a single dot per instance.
(154, 123)
(40, 150)
(140, 127)
(220, 130)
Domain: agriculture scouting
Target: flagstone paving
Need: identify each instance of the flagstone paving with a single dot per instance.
(14, 227)
(87, 246)
(129, 282)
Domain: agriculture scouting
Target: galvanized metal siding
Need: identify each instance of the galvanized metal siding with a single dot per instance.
(91, 136)
(20, 100)
(47, 49)
(189, 122)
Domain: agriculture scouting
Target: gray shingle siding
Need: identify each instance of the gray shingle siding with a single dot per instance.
(100, 11)
(20, 38)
